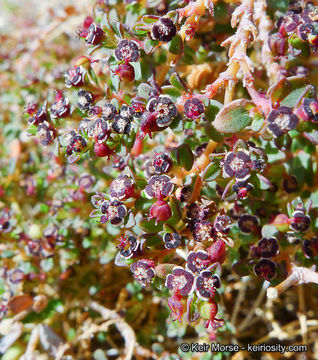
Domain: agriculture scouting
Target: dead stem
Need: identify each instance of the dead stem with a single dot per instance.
(245, 323)
(298, 276)
(126, 331)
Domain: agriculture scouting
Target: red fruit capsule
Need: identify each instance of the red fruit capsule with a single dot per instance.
(217, 251)
(102, 150)
(160, 211)
(125, 72)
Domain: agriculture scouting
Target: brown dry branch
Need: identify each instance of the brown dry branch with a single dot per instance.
(298, 275)
(126, 331)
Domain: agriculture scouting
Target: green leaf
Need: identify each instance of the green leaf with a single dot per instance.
(279, 90)
(212, 109)
(212, 171)
(143, 204)
(152, 239)
(176, 211)
(171, 91)
(149, 19)
(114, 78)
(144, 90)
(137, 68)
(93, 76)
(177, 82)
(242, 267)
(299, 84)
(150, 225)
(233, 117)
(176, 45)
(50, 310)
(149, 44)
(184, 156)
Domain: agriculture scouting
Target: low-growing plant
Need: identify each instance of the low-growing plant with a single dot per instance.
(159, 175)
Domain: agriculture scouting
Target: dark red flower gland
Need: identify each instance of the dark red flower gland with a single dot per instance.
(85, 100)
(127, 112)
(148, 124)
(76, 144)
(267, 248)
(206, 284)
(290, 184)
(16, 276)
(248, 223)
(203, 231)
(125, 72)
(171, 241)
(46, 133)
(5, 216)
(288, 23)
(193, 108)
(281, 120)
(109, 111)
(222, 224)
(97, 200)
(183, 194)
(159, 186)
(164, 109)
(160, 211)
(102, 150)
(114, 211)
(299, 221)
(3, 311)
(163, 30)
(162, 163)
(139, 106)
(199, 149)
(147, 167)
(99, 130)
(265, 269)
(198, 212)
(122, 188)
(129, 246)
(127, 51)
(35, 248)
(309, 32)
(30, 109)
(75, 77)
(308, 110)
(95, 35)
(242, 189)
(217, 251)
(39, 117)
(237, 164)
(310, 12)
(180, 281)
(162, 8)
(61, 107)
(143, 271)
(121, 124)
(198, 261)
(310, 247)
(278, 44)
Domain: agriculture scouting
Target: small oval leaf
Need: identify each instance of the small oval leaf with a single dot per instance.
(233, 117)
